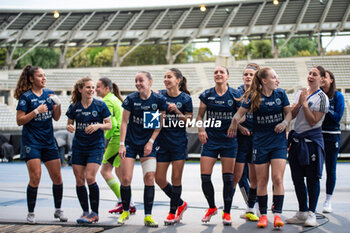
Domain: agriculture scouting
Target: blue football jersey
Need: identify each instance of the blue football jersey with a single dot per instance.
(335, 113)
(39, 131)
(248, 123)
(269, 114)
(96, 113)
(172, 134)
(136, 133)
(220, 108)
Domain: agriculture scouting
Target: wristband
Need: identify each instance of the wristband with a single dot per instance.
(151, 140)
(122, 144)
(55, 99)
(36, 111)
(285, 122)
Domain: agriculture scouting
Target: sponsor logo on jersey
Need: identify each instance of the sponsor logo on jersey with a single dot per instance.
(86, 113)
(219, 102)
(270, 103)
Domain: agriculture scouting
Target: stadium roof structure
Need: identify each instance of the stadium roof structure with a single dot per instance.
(253, 19)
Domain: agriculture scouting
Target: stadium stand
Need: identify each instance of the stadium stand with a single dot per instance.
(292, 73)
(7, 119)
(346, 118)
(62, 122)
(286, 70)
(125, 78)
(340, 66)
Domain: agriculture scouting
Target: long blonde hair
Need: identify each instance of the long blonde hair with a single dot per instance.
(254, 92)
(23, 83)
(80, 83)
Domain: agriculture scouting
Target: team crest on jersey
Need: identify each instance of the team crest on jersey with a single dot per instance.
(230, 102)
(178, 105)
(94, 113)
(154, 106)
(22, 102)
(310, 104)
(28, 149)
(126, 101)
(278, 101)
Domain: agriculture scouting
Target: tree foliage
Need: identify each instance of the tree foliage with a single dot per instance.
(335, 52)
(43, 57)
(260, 49)
(94, 52)
(298, 47)
(104, 57)
(202, 55)
(240, 51)
(150, 55)
(81, 60)
(156, 54)
(347, 50)
(2, 56)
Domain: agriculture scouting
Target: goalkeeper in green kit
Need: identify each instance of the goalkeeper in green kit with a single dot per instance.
(110, 93)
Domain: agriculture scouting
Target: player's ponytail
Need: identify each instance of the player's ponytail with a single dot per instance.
(116, 92)
(23, 83)
(332, 87)
(183, 80)
(113, 87)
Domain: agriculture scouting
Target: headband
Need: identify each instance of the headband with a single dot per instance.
(251, 68)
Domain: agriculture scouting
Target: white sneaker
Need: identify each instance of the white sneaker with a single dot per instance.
(31, 218)
(59, 214)
(327, 207)
(299, 218)
(311, 220)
